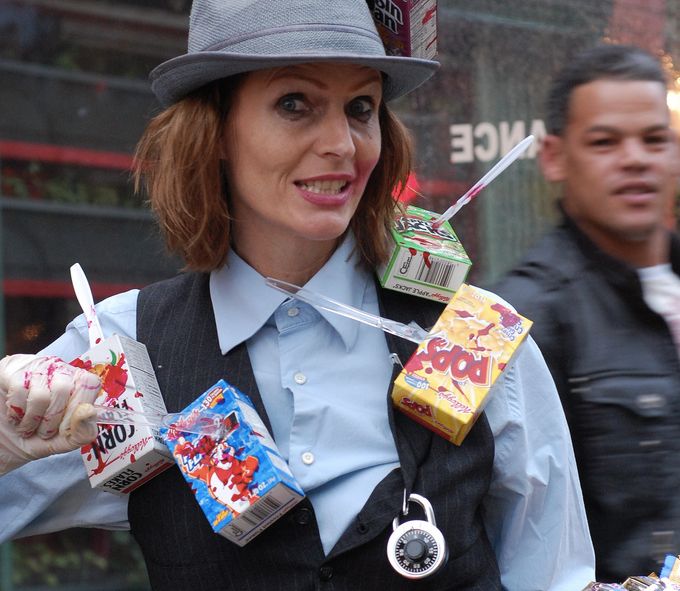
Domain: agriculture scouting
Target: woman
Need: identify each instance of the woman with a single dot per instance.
(277, 156)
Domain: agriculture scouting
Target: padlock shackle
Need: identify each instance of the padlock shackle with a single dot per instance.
(426, 505)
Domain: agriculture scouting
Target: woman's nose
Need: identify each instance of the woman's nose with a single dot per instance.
(336, 137)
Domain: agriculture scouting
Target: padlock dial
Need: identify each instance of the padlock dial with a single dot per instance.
(416, 551)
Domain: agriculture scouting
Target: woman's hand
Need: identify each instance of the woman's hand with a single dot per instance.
(45, 408)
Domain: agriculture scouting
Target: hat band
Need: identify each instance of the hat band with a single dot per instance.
(321, 27)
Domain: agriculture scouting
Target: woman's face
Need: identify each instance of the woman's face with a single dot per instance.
(300, 144)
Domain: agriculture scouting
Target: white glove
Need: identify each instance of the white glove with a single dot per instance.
(45, 408)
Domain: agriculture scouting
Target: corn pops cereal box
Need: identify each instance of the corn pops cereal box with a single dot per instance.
(448, 380)
(425, 261)
(239, 478)
(123, 457)
(408, 28)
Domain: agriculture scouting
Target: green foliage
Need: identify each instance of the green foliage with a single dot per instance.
(67, 184)
(82, 557)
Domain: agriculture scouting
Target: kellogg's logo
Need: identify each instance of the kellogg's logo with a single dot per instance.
(457, 362)
(454, 403)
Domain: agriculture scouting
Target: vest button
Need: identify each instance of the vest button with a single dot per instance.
(303, 516)
(362, 528)
(326, 573)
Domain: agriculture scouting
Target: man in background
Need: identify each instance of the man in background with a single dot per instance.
(604, 293)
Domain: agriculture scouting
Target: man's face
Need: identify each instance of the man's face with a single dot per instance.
(617, 159)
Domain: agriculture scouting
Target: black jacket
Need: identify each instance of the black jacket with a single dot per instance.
(618, 374)
(176, 322)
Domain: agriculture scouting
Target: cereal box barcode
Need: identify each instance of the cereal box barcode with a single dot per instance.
(261, 510)
(437, 273)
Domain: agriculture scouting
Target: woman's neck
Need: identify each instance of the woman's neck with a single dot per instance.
(293, 261)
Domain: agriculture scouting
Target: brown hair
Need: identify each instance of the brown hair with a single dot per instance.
(178, 161)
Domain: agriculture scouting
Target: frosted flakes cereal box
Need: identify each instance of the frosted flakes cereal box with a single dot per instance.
(426, 262)
(448, 380)
(407, 28)
(240, 480)
(123, 457)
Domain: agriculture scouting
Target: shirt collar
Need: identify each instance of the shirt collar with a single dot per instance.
(242, 302)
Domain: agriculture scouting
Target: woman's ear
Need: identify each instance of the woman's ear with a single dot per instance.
(552, 159)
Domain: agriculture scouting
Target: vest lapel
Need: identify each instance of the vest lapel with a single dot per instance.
(413, 441)
(239, 373)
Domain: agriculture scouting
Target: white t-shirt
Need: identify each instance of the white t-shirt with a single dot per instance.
(661, 290)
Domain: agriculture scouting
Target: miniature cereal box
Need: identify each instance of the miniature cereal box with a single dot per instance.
(426, 262)
(240, 480)
(123, 457)
(447, 382)
(407, 27)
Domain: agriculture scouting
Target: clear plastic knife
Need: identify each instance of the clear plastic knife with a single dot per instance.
(410, 331)
(84, 297)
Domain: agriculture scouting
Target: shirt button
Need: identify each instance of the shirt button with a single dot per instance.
(300, 378)
(293, 312)
(307, 458)
(326, 573)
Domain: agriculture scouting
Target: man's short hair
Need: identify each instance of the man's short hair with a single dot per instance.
(612, 62)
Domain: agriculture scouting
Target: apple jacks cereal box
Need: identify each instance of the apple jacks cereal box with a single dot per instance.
(240, 480)
(447, 381)
(426, 262)
(123, 457)
(408, 28)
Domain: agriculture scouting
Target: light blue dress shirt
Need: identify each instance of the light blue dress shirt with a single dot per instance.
(336, 439)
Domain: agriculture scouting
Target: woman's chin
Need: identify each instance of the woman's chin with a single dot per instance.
(326, 230)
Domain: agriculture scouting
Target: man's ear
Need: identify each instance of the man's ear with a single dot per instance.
(552, 159)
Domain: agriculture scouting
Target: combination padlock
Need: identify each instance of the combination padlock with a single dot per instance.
(416, 548)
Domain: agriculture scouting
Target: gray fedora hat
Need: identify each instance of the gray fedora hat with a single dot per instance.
(228, 37)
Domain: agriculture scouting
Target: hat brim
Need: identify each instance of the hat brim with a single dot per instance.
(174, 79)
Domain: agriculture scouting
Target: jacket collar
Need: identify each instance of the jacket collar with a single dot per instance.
(617, 272)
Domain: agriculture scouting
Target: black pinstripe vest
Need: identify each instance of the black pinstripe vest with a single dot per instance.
(175, 320)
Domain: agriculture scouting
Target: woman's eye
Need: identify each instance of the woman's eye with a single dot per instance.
(292, 104)
(361, 108)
